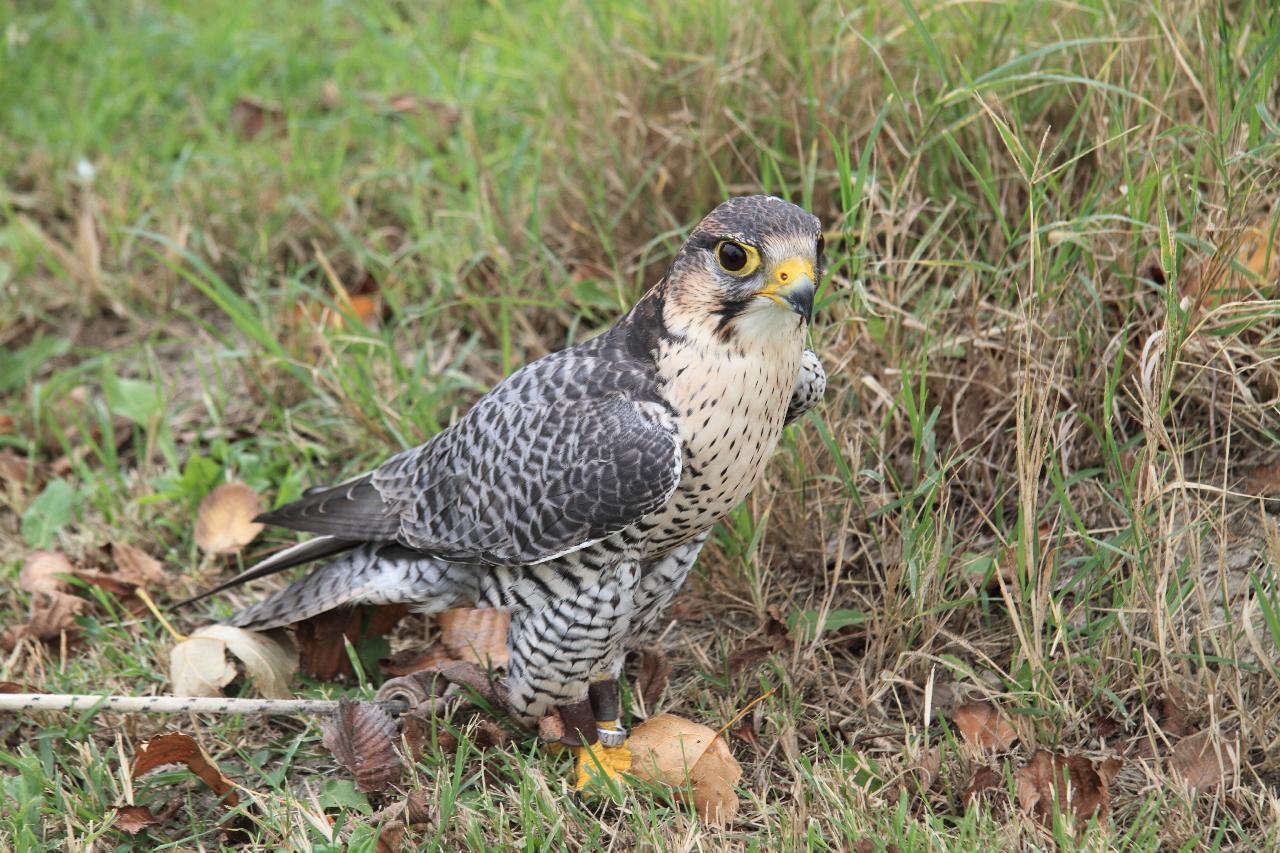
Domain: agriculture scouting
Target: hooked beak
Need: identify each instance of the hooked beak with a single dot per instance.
(792, 285)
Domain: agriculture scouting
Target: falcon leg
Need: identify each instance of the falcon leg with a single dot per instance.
(593, 731)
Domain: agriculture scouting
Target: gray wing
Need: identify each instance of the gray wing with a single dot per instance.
(811, 384)
(567, 451)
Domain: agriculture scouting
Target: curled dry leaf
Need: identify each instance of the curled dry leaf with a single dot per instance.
(53, 609)
(225, 520)
(1263, 480)
(985, 779)
(179, 748)
(655, 673)
(137, 566)
(133, 819)
(41, 571)
(406, 661)
(1246, 264)
(981, 725)
(322, 639)
(199, 666)
(250, 117)
(1204, 761)
(665, 746)
(477, 635)
(1079, 788)
(361, 736)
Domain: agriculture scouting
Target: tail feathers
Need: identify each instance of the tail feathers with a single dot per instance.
(369, 574)
(303, 552)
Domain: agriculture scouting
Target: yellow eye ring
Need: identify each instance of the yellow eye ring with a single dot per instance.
(737, 259)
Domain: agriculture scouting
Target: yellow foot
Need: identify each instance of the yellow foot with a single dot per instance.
(597, 761)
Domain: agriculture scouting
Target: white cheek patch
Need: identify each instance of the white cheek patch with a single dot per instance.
(766, 320)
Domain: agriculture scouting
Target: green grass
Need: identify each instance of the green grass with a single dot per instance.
(1024, 484)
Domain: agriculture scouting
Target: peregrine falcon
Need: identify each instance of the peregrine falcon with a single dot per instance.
(578, 492)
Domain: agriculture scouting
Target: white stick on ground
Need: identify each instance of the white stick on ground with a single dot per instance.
(173, 704)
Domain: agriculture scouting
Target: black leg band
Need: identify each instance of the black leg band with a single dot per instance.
(603, 696)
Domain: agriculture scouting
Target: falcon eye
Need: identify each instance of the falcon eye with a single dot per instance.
(737, 259)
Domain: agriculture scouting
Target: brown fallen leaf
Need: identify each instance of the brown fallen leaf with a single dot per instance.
(19, 687)
(1171, 716)
(361, 736)
(250, 116)
(676, 752)
(1073, 781)
(137, 566)
(45, 571)
(133, 819)
(330, 95)
(179, 748)
(985, 779)
(776, 638)
(13, 477)
(225, 520)
(478, 635)
(126, 592)
(655, 673)
(406, 661)
(53, 609)
(1204, 761)
(926, 766)
(1263, 480)
(981, 725)
(1242, 266)
(746, 731)
(413, 811)
(321, 647)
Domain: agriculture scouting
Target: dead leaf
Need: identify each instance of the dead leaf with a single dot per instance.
(1263, 480)
(551, 728)
(776, 639)
(53, 609)
(983, 780)
(663, 747)
(1072, 780)
(412, 811)
(981, 725)
(361, 736)
(6, 424)
(655, 673)
(225, 520)
(249, 117)
(13, 476)
(927, 765)
(137, 566)
(406, 661)
(1171, 716)
(179, 748)
(1204, 761)
(133, 819)
(17, 687)
(478, 635)
(330, 95)
(40, 572)
(690, 608)
(321, 647)
(199, 666)
(421, 733)
(1245, 264)
(746, 731)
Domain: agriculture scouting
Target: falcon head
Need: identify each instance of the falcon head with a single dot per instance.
(748, 271)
